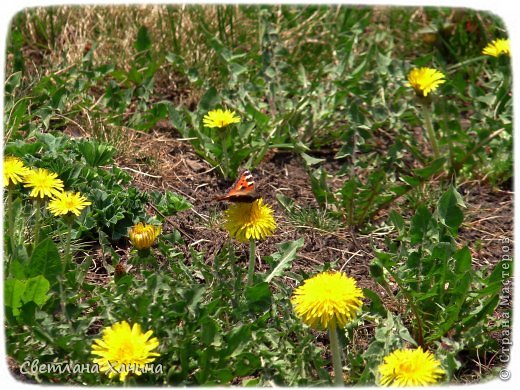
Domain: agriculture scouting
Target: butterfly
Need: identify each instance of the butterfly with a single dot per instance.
(243, 190)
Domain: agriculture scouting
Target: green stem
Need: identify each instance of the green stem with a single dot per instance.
(10, 219)
(429, 129)
(224, 162)
(38, 220)
(68, 238)
(453, 68)
(252, 258)
(336, 356)
(65, 261)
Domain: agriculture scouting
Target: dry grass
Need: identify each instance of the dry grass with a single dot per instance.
(67, 32)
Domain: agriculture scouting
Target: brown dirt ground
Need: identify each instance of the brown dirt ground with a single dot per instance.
(177, 168)
(159, 161)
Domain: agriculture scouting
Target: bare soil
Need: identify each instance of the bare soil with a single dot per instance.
(160, 161)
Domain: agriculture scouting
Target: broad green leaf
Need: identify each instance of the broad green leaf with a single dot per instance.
(204, 365)
(236, 69)
(319, 187)
(385, 259)
(286, 254)
(453, 309)
(414, 262)
(209, 100)
(15, 80)
(43, 335)
(13, 293)
(377, 272)
(462, 260)
(17, 270)
(208, 330)
(20, 148)
(498, 276)
(250, 382)
(284, 201)
(430, 170)
(170, 203)
(376, 305)
(259, 117)
(237, 339)
(178, 121)
(411, 181)
(397, 221)
(486, 310)
(45, 261)
(423, 296)
(419, 225)
(247, 363)
(36, 290)
(143, 41)
(461, 288)
(221, 376)
(28, 313)
(348, 191)
(405, 335)
(258, 297)
(96, 154)
(449, 209)
(193, 297)
(442, 251)
(309, 160)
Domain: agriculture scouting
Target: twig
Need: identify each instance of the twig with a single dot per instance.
(310, 259)
(140, 172)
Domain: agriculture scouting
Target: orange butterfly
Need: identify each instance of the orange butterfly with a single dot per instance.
(242, 191)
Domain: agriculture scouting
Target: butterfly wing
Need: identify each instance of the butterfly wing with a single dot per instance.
(243, 190)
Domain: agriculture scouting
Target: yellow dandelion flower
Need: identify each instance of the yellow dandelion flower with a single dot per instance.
(246, 221)
(123, 350)
(327, 300)
(68, 203)
(143, 236)
(220, 118)
(43, 183)
(425, 80)
(14, 170)
(497, 47)
(410, 367)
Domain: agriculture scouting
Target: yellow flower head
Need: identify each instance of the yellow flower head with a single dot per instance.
(327, 300)
(425, 80)
(143, 236)
(43, 183)
(14, 170)
(410, 367)
(497, 47)
(68, 203)
(246, 221)
(220, 118)
(123, 350)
